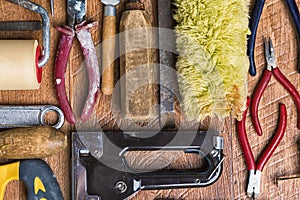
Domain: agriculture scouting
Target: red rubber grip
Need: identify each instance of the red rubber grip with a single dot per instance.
(291, 89)
(260, 88)
(62, 57)
(242, 135)
(266, 155)
(85, 39)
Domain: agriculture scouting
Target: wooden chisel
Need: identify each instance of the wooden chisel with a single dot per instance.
(138, 68)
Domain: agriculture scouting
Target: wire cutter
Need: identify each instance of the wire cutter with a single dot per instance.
(262, 85)
(77, 25)
(255, 169)
(253, 24)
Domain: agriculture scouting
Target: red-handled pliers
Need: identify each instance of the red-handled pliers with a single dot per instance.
(76, 10)
(255, 169)
(271, 69)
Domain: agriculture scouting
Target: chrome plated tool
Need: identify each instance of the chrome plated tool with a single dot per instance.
(25, 116)
(100, 170)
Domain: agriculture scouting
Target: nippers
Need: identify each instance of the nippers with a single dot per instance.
(253, 24)
(255, 169)
(262, 85)
(76, 11)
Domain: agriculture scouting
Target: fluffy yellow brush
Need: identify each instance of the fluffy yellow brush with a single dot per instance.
(213, 64)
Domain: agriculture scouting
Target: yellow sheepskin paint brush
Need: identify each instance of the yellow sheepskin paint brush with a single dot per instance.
(212, 64)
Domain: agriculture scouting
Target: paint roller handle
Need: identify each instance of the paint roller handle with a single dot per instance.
(253, 24)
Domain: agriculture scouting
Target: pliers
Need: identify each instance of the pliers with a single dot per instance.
(255, 169)
(262, 85)
(76, 11)
(253, 24)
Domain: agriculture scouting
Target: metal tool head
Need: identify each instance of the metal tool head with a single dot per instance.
(100, 169)
(76, 10)
(254, 184)
(110, 2)
(270, 54)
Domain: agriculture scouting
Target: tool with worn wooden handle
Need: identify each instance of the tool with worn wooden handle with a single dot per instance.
(138, 68)
(32, 142)
(108, 46)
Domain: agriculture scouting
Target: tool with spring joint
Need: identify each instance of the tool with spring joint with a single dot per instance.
(37, 176)
(100, 169)
(262, 85)
(253, 24)
(255, 169)
(77, 25)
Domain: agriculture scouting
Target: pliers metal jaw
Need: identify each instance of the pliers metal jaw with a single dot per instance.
(271, 69)
(253, 187)
(77, 26)
(270, 54)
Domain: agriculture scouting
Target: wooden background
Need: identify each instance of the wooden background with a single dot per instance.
(275, 22)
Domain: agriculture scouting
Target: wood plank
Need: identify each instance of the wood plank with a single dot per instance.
(275, 22)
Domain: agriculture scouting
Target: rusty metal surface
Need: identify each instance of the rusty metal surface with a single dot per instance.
(167, 63)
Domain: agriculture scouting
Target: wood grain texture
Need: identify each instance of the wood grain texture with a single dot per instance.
(139, 93)
(108, 54)
(275, 22)
(31, 142)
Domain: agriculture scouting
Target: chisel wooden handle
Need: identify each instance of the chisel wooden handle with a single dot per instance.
(108, 54)
(32, 142)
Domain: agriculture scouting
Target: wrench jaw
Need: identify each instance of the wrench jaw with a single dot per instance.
(93, 176)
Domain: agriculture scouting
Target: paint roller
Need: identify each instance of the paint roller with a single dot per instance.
(21, 61)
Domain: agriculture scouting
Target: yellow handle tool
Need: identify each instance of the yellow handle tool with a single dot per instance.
(37, 176)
